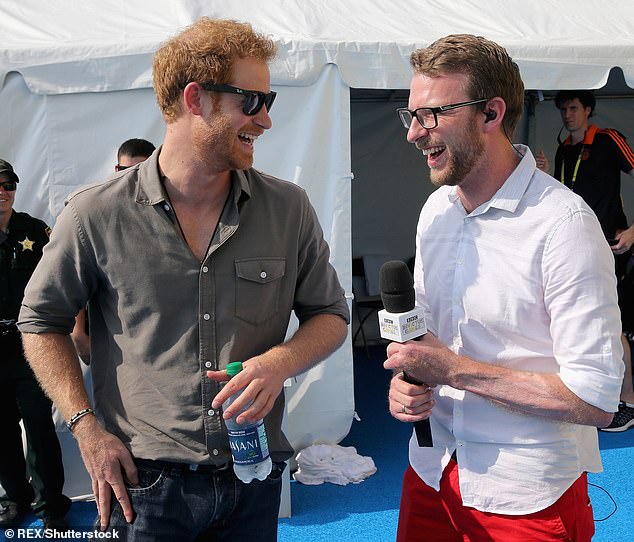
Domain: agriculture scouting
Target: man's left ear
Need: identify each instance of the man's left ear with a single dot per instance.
(494, 112)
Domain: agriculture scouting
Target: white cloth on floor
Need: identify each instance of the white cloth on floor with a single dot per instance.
(332, 463)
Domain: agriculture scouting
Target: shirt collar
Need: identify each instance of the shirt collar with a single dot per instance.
(510, 193)
(150, 189)
(241, 185)
(588, 136)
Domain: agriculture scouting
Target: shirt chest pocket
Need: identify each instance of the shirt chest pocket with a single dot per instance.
(258, 288)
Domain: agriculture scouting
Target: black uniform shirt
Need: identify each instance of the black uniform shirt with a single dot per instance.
(20, 251)
(592, 169)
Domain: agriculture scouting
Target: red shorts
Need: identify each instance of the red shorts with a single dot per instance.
(428, 515)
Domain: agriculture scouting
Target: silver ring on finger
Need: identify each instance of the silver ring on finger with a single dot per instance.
(402, 409)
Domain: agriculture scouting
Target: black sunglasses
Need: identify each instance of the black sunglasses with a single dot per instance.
(9, 186)
(254, 99)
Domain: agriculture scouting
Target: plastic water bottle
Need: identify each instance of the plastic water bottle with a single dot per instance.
(249, 447)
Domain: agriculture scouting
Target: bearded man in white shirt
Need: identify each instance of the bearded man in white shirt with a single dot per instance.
(522, 361)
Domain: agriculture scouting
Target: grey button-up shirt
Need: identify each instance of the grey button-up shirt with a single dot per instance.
(159, 318)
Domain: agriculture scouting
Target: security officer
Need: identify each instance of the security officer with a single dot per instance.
(22, 238)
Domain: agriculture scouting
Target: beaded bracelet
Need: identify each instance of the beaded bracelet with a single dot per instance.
(78, 416)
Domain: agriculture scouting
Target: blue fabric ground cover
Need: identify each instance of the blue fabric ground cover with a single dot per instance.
(369, 511)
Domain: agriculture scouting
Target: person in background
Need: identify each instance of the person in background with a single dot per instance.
(133, 152)
(189, 261)
(522, 360)
(130, 153)
(22, 239)
(589, 162)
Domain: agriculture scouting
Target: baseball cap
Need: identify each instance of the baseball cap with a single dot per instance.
(7, 169)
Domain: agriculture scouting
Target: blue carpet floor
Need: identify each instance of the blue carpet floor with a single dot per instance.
(368, 511)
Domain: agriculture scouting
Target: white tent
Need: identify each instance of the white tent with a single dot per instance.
(75, 81)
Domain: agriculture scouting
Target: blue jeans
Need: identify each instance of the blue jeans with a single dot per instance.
(173, 503)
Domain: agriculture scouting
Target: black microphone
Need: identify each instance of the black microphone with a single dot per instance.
(402, 321)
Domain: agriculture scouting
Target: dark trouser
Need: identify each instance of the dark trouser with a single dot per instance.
(173, 503)
(21, 398)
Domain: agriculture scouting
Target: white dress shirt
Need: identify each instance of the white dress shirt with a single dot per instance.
(525, 281)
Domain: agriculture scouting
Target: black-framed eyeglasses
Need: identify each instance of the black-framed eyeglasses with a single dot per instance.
(254, 99)
(9, 186)
(428, 116)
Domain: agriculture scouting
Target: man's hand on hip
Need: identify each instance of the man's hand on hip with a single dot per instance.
(107, 461)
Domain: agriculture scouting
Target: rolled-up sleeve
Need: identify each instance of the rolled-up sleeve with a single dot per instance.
(318, 290)
(62, 282)
(580, 295)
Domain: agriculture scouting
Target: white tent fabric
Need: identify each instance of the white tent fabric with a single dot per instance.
(75, 81)
(96, 46)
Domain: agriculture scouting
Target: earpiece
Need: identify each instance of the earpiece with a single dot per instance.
(490, 115)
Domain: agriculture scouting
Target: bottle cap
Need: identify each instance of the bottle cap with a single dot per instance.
(234, 368)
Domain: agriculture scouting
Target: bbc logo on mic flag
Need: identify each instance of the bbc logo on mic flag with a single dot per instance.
(401, 327)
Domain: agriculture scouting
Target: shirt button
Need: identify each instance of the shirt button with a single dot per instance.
(215, 452)
(205, 269)
(166, 207)
(206, 316)
(211, 412)
(263, 275)
(208, 364)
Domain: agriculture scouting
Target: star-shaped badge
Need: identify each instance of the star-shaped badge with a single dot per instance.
(27, 244)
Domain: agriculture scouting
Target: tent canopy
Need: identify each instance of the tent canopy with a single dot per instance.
(103, 45)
